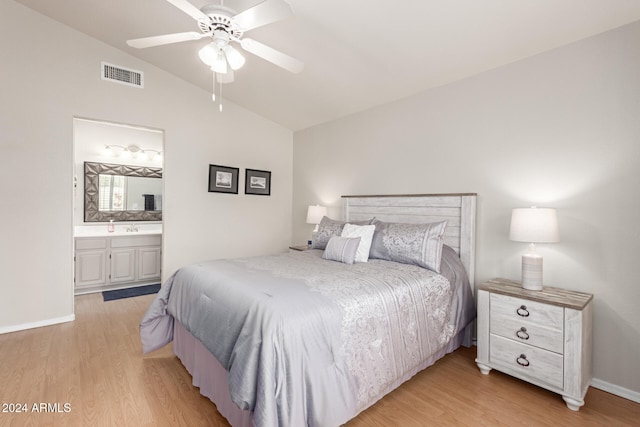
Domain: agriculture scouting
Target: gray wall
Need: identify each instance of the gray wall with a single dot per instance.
(560, 129)
(51, 75)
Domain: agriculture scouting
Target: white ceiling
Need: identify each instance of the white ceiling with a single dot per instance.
(357, 53)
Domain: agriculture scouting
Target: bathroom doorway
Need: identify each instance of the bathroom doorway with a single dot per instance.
(117, 209)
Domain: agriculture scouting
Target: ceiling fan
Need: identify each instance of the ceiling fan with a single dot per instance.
(224, 26)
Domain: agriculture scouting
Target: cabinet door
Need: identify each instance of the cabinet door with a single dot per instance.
(91, 268)
(123, 265)
(149, 263)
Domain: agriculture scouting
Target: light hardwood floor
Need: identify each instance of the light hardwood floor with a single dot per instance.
(95, 366)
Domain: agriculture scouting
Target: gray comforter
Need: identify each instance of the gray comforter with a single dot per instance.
(308, 341)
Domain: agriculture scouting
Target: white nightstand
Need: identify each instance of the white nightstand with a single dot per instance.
(543, 337)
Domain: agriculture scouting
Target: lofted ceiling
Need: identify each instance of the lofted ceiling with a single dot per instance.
(357, 53)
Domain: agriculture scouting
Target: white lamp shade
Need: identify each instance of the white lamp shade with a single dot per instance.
(116, 150)
(534, 225)
(209, 54)
(220, 64)
(236, 60)
(315, 214)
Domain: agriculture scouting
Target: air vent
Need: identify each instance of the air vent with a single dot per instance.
(125, 76)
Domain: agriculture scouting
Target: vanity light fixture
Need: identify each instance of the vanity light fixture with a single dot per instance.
(134, 151)
(533, 225)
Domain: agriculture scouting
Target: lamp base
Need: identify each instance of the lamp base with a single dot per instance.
(532, 271)
(313, 238)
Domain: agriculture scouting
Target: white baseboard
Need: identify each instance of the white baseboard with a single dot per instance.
(616, 389)
(48, 322)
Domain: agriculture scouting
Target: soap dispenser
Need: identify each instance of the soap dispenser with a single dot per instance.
(111, 227)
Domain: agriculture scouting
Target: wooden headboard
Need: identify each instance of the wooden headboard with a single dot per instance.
(458, 209)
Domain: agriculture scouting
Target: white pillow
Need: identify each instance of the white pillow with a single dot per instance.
(365, 232)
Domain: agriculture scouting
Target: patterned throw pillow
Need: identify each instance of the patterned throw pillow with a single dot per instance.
(342, 249)
(330, 227)
(418, 244)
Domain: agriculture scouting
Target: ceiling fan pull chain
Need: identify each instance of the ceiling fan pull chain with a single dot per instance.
(220, 84)
(213, 91)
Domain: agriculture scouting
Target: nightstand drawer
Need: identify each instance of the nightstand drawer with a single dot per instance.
(518, 309)
(527, 361)
(527, 333)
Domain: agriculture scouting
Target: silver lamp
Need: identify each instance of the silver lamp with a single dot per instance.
(533, 225)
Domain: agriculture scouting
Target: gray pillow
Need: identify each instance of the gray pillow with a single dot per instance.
(418, 244)
(330, 227)
(342, 249)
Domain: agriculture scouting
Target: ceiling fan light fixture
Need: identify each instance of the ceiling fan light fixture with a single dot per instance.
(235, 58)
(220, 64)
(225, 78)
(209, 54)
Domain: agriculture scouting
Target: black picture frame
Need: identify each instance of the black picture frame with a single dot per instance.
(257, 182)
(223, 179)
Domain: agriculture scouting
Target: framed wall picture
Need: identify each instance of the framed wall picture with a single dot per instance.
(257, 182)
(223, 179)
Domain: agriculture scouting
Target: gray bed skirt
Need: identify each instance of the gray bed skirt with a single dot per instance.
(208, 375)
(211, 377)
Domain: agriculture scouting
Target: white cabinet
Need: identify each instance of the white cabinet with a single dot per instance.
(149, 263)
(543, 337)
(116, 261)
(123, 265)
(91, 262)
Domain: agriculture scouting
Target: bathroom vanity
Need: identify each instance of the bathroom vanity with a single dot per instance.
(111, 260)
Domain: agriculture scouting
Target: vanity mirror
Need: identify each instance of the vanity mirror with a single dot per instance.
(122, 193)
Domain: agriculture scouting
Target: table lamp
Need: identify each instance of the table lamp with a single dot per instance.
(315, 214)
(533, 225)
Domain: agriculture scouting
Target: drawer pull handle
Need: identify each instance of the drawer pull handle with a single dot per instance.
(522, 311)
(522, 333)
(522, 360)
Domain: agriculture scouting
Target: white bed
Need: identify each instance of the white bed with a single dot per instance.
(458, 210)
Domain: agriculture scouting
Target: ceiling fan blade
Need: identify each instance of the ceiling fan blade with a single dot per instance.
(164, 39)
(262, 14)
(276, 57)
(189, 9)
